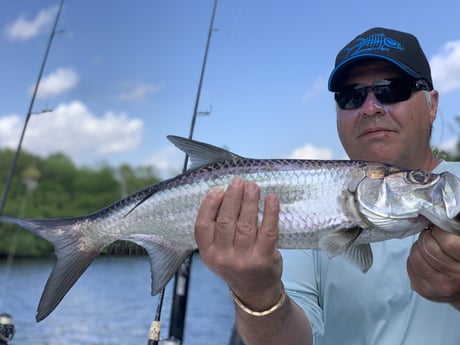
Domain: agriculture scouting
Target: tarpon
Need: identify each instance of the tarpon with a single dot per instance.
(336, 206)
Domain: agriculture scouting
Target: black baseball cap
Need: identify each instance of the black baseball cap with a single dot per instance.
(400, 48)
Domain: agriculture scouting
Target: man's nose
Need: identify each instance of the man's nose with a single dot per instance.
(372, 105)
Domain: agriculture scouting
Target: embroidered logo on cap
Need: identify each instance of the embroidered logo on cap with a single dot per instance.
(375, 42)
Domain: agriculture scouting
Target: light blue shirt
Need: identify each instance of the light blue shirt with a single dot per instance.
(348, 307)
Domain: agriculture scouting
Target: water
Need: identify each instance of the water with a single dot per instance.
(111, 304)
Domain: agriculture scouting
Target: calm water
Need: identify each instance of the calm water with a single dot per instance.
(111, 304)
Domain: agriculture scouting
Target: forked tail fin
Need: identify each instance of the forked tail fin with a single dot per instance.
(75, 251)
(73, 258)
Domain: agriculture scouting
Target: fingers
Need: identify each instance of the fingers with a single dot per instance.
(268, 232)
(447, 242)
(231, 218)
(228, 214)
(424, 278)
(227, 222)
(246, 226)
(436, 247)
(433, 270)
(204, 225)
(236, 247)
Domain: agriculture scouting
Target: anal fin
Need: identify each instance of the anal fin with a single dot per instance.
(165, 258)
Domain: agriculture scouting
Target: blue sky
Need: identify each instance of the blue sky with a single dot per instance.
(123, 74)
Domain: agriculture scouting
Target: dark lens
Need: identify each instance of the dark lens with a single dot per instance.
(395, 90)
(351, 96)
(386, 91)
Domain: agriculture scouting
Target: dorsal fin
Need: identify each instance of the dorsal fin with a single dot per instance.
(201, 153)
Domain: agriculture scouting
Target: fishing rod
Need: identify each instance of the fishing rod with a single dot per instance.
(29, 112)
(182, 277)
(7, 328)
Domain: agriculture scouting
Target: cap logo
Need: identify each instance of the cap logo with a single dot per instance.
(375, 42)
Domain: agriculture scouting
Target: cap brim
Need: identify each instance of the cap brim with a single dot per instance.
(340, 69)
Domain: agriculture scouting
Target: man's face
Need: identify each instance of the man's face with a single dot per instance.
(396, 133)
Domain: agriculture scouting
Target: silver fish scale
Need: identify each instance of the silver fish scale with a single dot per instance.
(309, 193)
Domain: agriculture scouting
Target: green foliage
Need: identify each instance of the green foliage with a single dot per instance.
(54, 187)
(449, 156)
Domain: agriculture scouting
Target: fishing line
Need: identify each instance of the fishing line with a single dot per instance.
(180, 291)
(13, 165)
(422, 238)
(236, 24)
(29, 113)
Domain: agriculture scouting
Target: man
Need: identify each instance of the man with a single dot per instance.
(386, 106)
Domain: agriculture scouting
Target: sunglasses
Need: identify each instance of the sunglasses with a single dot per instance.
(386, 91)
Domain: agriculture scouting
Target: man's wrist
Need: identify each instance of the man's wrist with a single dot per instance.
(265, 312)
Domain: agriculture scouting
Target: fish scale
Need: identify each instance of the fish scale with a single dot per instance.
(294, 184)
(336, 206)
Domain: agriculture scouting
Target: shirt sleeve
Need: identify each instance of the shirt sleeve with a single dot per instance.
(300, 277)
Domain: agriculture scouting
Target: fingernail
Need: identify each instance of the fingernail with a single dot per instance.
(272, 200)
(251, 188)
(216, 191)
(236, 182)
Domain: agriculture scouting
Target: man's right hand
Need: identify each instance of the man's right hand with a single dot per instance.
(236, 248)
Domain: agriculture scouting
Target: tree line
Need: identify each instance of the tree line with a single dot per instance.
(54, 187)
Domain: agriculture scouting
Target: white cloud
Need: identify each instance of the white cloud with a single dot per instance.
(448, 145)
(138, 92)
(61, 80)
(309, 151)
(10, 130)
(72, 129)
(23, 29)
(167, 161)
(445, 67)
(317, 88)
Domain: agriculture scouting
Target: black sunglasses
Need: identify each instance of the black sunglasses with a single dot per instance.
(386, 91)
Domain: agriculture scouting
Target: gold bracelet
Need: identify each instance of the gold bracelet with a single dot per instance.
(263, 312)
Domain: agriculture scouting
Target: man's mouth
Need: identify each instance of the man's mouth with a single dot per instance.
(374, 131)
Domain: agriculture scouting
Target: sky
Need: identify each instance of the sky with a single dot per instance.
(121, 75)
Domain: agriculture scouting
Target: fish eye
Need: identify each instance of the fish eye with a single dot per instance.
(419, 176)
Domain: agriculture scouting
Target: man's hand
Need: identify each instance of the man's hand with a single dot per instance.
(235, 247)
(434, 266)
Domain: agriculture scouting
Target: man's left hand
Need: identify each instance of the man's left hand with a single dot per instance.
(434, 266)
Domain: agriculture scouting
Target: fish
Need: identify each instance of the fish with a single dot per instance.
(339, 206)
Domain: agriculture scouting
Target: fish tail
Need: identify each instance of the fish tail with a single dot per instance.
(73, 256)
